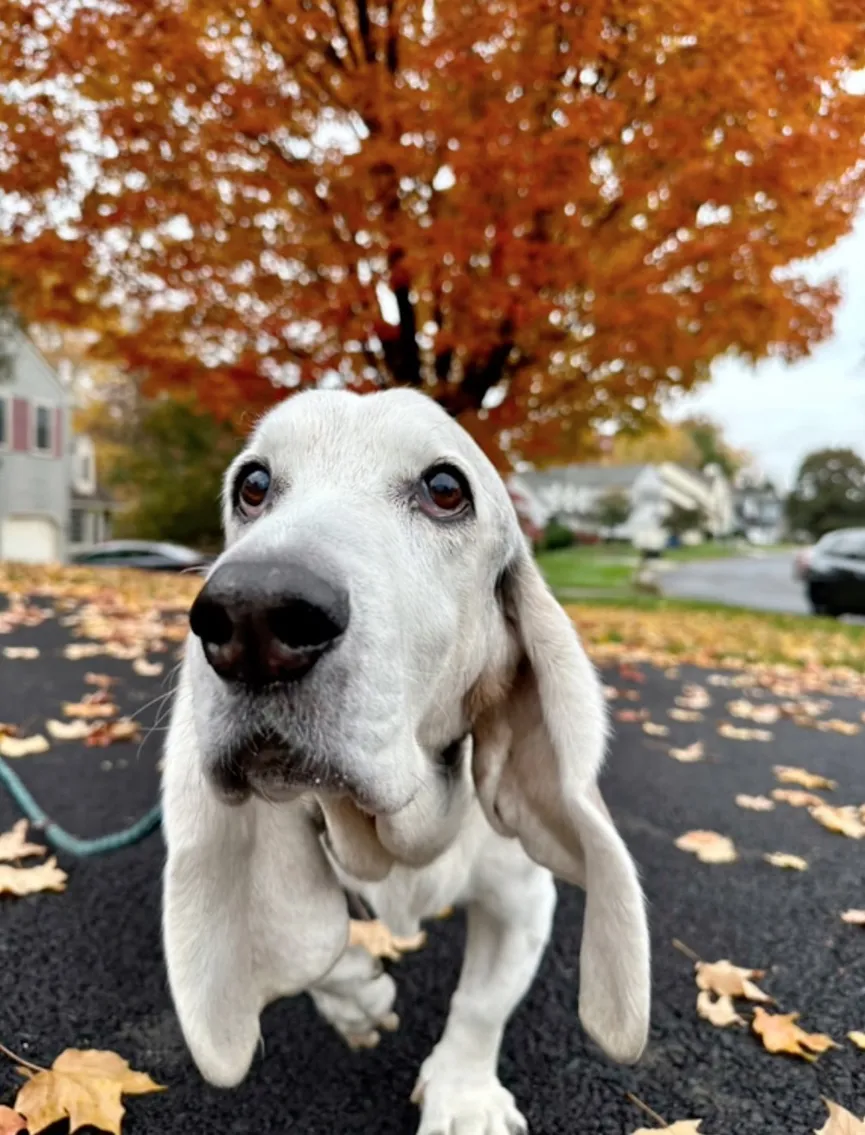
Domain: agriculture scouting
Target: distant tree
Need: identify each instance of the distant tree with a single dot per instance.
(9, 326)
(708, 439)
(680, 520)
(613, 509)
(829, 493)
(692, 443)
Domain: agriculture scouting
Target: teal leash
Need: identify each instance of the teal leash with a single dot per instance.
(61, 840)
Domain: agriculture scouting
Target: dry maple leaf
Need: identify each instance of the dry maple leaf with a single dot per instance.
(147, 669)
(655, 730)
(377, 939)
(709, 847)
(755, 803)
(75, 651)
(842, 820)
(31, 880)
(685, 714)
(88, 709)
(21, 652)
(82, 1086)
(682, 1127)
(694, 697)
(689, 754)
(102, 681)
(11, 1122)
(726, 980)
(841, 1121)
(782, 859)
(834, 725)
(632, 715)
(23, 746)
(854, 917)
(734, 733)
(789, 774)
(67, 730)
(765, 714)
(858, 1038)
(719, 1011)
(797, 797)
(14, 845)
(106, 733)
(780, 1033)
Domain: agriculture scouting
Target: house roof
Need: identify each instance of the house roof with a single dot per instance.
(100, 496)
(583, 476)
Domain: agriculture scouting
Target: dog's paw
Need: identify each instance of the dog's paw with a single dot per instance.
(359, 1012)
(458, 1100)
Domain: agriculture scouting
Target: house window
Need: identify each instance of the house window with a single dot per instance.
(5, 425)
(86, 468)
(76, 528)
(42, 440)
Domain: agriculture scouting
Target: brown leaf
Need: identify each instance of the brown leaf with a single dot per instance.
(377, 939)
(629, 715)
(854, 917)
(694, 697)
(83, 1086)
(689, 754)
(755, 803)
(23, 746)
(719, 1011)
(841, 1121)
(796, 797)
(782, 859)
(11, 1123)
(88, 709)
(734, 733)
(103, 681)
(106, 733)
(31, 880)
(780, 1033)
(682, 1127)
(789, 774)
(147, 669)
(726, 980)
(14, 845)
(763, 714)
(843, 820)
(709, 847)
(655, 730)
(834, 725)
(685, 714)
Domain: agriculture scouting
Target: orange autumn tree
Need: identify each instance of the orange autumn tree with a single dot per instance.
(545, 213)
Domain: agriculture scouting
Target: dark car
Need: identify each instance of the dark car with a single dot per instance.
(834, 573)
(145, 555)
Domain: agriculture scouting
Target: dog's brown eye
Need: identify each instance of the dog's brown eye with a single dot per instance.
(253, 487)
(444, 491)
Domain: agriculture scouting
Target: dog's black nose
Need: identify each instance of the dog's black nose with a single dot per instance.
(267, 622)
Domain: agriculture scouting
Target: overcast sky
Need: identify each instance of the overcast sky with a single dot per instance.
(780, 413)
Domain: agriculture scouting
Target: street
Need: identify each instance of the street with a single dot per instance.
(762, 581)
(84, 968)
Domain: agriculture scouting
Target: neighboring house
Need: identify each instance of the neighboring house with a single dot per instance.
(759, 510)
(50, 502)
(572, 494)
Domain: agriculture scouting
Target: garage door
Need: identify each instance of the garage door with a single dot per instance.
(28, 539)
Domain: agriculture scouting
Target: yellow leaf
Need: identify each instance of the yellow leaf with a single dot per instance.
(765, 714)
(734, 733)
(780, 1033)
(21, 652)
(755, 803)
(14, 845)
(694, 697)
(685, 714)
(789, 774)
(23, 746)
(782, 859)
(726, 980)
(689, 754)
(719, 1011)
(855, 917)
(843, 820)
(683, 1127)
(709, 847)
(67, 730)
(147, 669)
(858, 1038)
(377, 939)
(834, 725)
(796, 798)
(89, 709)
(31, 880)
(655, 730)
(82, 1086)
(841, 1121)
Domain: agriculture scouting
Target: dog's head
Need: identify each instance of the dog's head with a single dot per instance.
(374, 643)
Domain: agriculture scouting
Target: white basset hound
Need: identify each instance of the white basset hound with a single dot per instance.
(381, 696)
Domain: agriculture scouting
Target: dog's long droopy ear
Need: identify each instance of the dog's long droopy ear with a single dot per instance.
(251, 910)
(537, 758)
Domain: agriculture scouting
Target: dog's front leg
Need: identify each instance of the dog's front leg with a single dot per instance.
(357, 998)
(510, 913)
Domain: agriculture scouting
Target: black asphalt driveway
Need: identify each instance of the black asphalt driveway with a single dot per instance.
(761, 581)
(84, 968)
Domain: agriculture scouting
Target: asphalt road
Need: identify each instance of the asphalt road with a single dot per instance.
(763, 582)
(84, 968)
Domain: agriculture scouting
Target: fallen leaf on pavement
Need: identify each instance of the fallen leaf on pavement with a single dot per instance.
(105, 733)
(22, 652)
(14, 845)
(682, 1127)
(67, 730)
(689, 754)
(780, 1033)
(88, 709)
(610, 692)
(31, 880)
(735, 733)
(23, 746)
(102, 681)
(709, 847)
(7, 730)
(858, 1038)
(685, 714)
(377, 939)
(763, 714)
(834, 725)
(11, 1123)
(75, 651)
(854, 917)
(655, 730)
(726, 980)
(694, 697)
(632, 715)
(789, 774)
(797, 798)
(842, 820)
(147, 669)
(841, 1121)
(755, 803)
(719, 1011)
(782, 859)
(83, 1086)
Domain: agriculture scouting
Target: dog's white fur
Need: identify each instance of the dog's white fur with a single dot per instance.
(453, 634)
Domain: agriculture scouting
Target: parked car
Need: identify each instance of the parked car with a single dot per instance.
(834, 573)
(146, 555)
